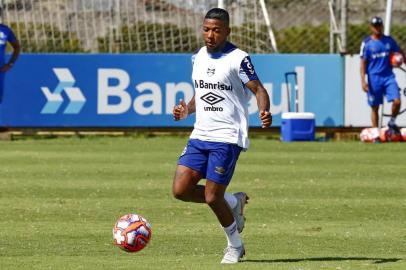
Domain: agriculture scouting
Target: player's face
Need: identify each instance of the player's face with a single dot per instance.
(377, 29)
(215, 33)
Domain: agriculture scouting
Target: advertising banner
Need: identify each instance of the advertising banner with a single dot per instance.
(140, 90)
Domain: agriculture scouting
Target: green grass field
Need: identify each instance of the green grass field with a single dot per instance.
(331, 205)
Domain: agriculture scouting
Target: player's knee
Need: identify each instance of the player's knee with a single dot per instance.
(179, 193)
(179, 190)
(212, 198)
(375, 109)
(396, 102)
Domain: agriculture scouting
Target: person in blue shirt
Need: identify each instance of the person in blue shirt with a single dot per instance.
(381, 81)
(7, 36)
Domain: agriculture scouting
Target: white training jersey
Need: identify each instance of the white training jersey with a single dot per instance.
(221, 96)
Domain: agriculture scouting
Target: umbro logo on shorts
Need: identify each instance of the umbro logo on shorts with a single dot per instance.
(219, 170)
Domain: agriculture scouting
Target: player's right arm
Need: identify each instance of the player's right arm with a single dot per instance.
(181, 111)
(363, 67)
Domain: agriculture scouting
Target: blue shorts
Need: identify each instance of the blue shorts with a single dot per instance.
(215, 161)
(378, 86)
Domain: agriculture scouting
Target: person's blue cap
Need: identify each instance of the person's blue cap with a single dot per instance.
(376, 21)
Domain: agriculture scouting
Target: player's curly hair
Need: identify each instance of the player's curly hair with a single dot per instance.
(218, 14)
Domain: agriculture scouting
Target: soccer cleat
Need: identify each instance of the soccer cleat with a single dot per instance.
(238, 210)
(233, 255)
(393, 127)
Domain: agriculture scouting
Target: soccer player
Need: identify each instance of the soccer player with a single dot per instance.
(7, 35)
(222, 76)
(375, 62)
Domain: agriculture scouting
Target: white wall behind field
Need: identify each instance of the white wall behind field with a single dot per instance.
(357, 110)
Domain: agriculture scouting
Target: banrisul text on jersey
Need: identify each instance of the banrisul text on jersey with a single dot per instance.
(215, 86)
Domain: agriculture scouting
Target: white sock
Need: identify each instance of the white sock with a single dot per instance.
(375, 132)
(233, 236)
(230, 199)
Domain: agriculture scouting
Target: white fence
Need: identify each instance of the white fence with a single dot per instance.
(174, 25)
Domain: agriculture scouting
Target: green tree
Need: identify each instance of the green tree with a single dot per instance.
(45, 38)
(139, 38)
(303, 39)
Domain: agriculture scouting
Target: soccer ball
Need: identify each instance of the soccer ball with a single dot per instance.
(367, 135)
(396, 59)
(388, 135)
(403, 133)
(132, 232)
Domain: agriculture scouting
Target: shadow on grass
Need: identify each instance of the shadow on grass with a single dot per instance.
(323, 259)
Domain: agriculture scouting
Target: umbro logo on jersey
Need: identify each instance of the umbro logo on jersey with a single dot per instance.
(211, 98)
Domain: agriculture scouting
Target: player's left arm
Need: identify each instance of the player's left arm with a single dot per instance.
(397, 48)
(402, 52)
(262, 97)
(250, 78)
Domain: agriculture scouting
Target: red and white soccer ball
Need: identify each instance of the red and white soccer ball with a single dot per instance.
(367, 135)
(132, 232)
(387, 135)
(403, 133)
(396, 59)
